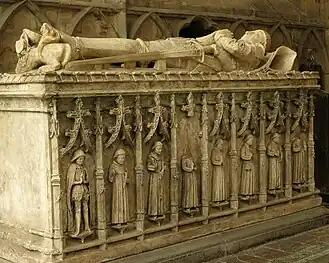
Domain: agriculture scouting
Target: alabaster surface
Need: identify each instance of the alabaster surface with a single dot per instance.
(103, 165)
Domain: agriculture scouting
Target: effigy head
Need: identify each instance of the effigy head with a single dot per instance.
(120, 156)
(78, 154)
(258, 37)
(248, 139)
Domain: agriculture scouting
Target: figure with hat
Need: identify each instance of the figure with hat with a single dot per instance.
(118, 176)
(190, 189)
(274, 153)
(219, 182)
(298, 170)
(156, 168)
(78, 193)
(247, 183)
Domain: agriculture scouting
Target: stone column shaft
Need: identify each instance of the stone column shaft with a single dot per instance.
(234, 158)
(204, 158)
(263, 174)
(139, 169)
(287, 151)
(58, 232)
(174, 187)
(100, 184)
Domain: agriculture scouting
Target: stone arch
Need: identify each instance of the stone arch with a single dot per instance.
(208, 24)
(321, 52)
(14, 8)
(239, 24)
(242, 23)
(103, 24)
(284, 31)
(154, 18)
(76, 19)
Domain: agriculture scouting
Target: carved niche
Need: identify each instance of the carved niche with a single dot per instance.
(275, 158)
(80, 201)
(249, 126)
(157, 135)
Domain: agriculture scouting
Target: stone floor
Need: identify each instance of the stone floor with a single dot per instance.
(307, 247)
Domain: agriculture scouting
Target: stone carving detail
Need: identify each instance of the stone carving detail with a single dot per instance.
(275, 115)
(78, 195)
(79, 126)
(189, 108)
(158, 120)
(250, 119)
(247, 183)
(219, 51)
(301, 115)
(99, 127)
(190, 186)
(234, 115)
(156, 168)
(118, 176)
(299, 148)
(221, 123)
(220, 193)
(120, 123)
(274, 153)
(54, 126)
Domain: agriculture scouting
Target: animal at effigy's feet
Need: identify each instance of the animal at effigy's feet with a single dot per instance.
(53, 50)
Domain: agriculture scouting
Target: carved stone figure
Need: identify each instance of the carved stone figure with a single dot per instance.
(220, 51)
(78, 193)
(247, 183)
(118, 176)
(298, 171)
(274, 152)
(190, 186)
(219, 187)
(156, 168)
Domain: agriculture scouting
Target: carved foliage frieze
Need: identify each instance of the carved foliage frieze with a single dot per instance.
(120, 123)
(158, 120)
(275, 114)
(301, 114)
(222, 122)
(79, 126)
(250, 118)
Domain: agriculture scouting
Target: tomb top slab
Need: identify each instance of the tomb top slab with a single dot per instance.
(64, 83)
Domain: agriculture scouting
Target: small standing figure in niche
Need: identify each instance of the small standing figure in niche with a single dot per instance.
(190, 189)
(247, 184)
(274, 152)
(78, 194)
(298, 171)
(156, 168)
(118, 176)
(219, 188)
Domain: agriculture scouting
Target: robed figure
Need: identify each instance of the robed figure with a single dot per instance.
(298, 153)
(118, 176)
(190, 185)
(274, 152)
(219, 188)
(247, 184)
(156, 168)
(78, 193)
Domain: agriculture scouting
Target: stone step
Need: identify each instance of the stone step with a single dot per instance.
(219, 245)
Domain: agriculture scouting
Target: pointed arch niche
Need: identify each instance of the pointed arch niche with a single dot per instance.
(196, 26)
(149, 27)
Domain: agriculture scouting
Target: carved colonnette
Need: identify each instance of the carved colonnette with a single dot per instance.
(171, 151)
